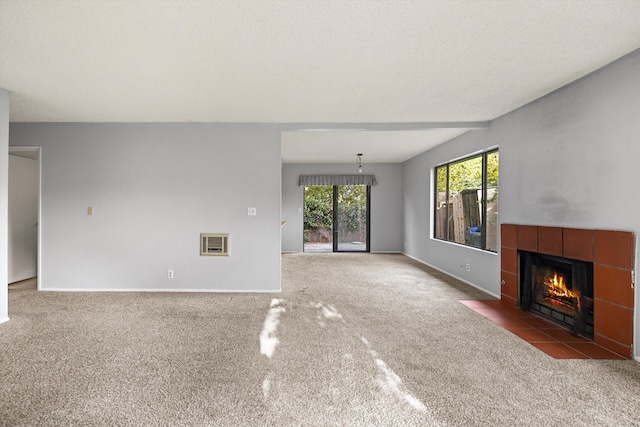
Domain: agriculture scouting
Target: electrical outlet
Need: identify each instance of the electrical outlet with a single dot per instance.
(170, 274)
(468, 267)
(90, 210)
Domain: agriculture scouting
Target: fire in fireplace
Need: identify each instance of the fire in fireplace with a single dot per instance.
(560, 289)
(554, 290)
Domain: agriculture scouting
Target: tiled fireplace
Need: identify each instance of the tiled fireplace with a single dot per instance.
(611, 253)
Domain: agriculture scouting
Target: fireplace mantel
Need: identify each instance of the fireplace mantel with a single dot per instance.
(613, 257)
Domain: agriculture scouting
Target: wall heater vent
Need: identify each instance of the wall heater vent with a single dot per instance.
(214, 244)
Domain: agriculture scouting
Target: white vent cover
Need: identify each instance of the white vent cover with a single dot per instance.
(214, 244)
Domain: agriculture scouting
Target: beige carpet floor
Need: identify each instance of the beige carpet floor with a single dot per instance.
(353, 340)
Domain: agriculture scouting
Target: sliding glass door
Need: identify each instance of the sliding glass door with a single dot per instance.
(336, 218)
(351, 218)
(318, 218)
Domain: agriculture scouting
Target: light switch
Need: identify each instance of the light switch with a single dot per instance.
(252, 211)
(90, 210)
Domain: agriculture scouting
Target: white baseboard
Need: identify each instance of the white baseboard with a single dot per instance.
(386, 252)
(636, 358)
(451, 275)
(221, 291)
(6, 319)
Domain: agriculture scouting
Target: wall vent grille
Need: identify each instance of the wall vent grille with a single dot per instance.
(214, 244)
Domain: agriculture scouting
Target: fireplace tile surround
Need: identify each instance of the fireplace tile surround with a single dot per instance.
(612, 254)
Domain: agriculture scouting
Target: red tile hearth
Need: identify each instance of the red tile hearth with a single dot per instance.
(540, 333)
(613, 257)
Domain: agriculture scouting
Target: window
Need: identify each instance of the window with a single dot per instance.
(466, 201)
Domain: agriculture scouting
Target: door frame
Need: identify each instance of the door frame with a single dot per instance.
(335, 220)
(37, 155)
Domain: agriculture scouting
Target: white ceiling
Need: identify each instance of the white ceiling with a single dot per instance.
(317, 62)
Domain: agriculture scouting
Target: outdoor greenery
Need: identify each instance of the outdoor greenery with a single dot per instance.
(352, 202)
(318, 208)
(467, 174)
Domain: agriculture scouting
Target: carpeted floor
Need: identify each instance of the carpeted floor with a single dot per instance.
(353, 340)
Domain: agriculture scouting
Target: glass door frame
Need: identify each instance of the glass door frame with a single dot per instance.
(335, 222)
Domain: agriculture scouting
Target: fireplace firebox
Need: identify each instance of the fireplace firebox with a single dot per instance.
(557, 288)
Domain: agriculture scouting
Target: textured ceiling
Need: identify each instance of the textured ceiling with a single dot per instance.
(376, 146)
(316, 61)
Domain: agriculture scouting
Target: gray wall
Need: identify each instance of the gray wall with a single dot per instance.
(24, 186)
(4, 197)
(569, 159)
(386, 203)
(154, 188)
(417, 194)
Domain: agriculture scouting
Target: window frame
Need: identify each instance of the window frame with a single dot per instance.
(484, 190)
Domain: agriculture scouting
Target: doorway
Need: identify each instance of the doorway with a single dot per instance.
(24, 217)
(336, 218)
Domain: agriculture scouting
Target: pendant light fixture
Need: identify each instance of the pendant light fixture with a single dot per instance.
(359, 161)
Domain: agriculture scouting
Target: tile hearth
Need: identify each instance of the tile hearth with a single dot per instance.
(612, 253)
(546, 336)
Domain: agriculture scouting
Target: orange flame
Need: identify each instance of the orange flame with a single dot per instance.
(558, 293)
